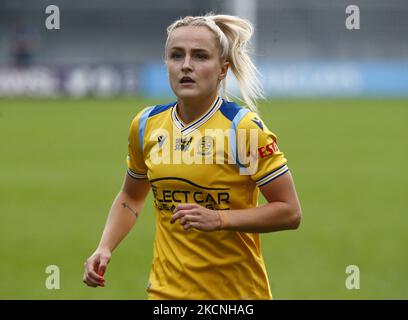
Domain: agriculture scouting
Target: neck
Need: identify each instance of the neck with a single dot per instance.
(190, 110)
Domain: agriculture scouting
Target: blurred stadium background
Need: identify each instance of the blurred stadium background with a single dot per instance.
(337, 99)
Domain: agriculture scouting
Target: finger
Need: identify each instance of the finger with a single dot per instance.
(177, 215)
(183, 220)
(101, 270)
(102, 265)
(95, 263)
(89, 282)
(92, 284)
(190, 225)
(186, 206)
(92, 281)
(182, 213)
(92, 275)
(187, 218)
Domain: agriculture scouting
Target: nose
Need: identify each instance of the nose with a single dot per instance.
(187, 64)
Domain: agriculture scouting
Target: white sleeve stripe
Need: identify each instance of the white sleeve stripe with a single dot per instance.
(272, 175)
(136, 175)
(277, 176)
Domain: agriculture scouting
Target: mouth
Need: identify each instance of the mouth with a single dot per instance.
(186, 80)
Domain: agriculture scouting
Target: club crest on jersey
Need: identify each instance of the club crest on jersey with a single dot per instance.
(258, 122)
(205, 146)
(182, 144)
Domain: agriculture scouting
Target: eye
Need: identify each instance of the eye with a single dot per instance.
(201, 56)
(175, 55)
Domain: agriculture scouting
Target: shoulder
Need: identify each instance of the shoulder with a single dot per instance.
(148, 112)
(158, 109)
(252, 120)
(233, 111)
(241, 117)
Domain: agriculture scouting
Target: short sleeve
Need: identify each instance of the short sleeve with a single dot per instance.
(136, 166)
(269, 159)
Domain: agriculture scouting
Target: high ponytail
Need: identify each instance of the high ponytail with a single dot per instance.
(238, 32)
(233, 34)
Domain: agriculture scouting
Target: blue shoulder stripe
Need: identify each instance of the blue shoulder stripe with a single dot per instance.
(142, 125)
(160, 108)
(230, 109)
(233, 136)
(234, 113)
(147, 113)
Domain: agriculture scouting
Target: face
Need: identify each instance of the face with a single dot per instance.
(193, 63)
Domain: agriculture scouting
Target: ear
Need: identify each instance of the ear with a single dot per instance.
(224, 70)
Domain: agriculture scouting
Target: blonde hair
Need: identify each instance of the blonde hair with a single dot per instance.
(233, 34)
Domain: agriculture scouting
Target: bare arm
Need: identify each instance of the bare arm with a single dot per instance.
(281, 213)
(124, 211)
(122, 216)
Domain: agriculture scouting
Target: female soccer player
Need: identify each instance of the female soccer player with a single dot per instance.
(206, 159)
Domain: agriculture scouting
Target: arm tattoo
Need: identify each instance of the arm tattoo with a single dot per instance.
(124, 205)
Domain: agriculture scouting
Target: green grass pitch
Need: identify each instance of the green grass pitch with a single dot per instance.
(62, 162)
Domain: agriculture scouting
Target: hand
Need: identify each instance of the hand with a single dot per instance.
(196, 216)
(95, 268)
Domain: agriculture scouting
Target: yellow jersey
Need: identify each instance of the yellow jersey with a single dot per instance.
(217, 161)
